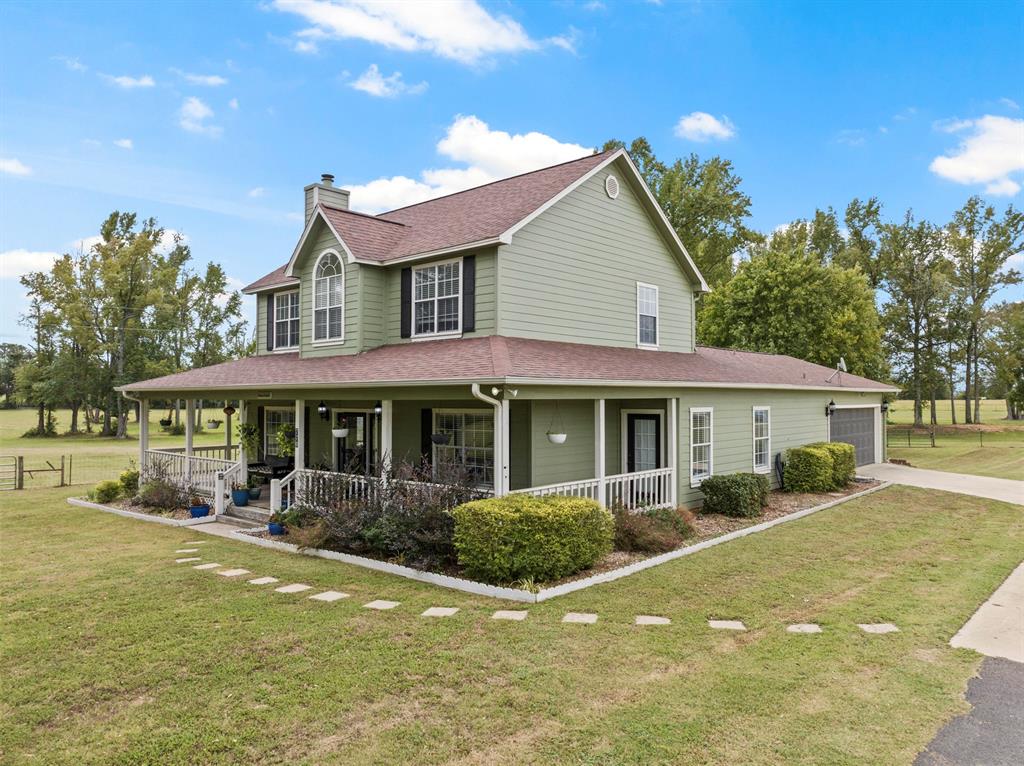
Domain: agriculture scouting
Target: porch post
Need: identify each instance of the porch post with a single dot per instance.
(672, 450)
(386, 427)
(227, 433)
(190, 418)
(300, 434)
(143, 433)
(599, 450)
(242, 457)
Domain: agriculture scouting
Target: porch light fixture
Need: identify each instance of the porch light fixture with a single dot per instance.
(229, 410)
(322, 411)
(885, 407)
(378, 408)
(830, 408)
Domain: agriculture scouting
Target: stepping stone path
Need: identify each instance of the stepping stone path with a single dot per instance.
(194, 542)
(726, 625)
(804, 627)
(206, 566)
(263, 581)
(878, 627)
(582, 618)
(440, 611)
(190, 558)
(329, 595)
(293, 588)
(381, 605)
(233, 572)
(509, 614)
(646, 619)
(187, 550)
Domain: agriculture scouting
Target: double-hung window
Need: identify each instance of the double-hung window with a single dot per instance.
(701, 435)
(328, 299)
(437, 298)
(275, 419)
(470, 443)
(762, 439)
(286, 320)
(646, 315)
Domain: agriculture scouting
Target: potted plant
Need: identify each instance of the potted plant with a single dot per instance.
(213, 424)
(239, 494)
(166, 422)
(198, 507)
(285, 441)
(341, 431)
(275, 525)
(249, 438)
(255, 487)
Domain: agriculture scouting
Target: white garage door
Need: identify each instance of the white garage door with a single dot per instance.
(855, 426)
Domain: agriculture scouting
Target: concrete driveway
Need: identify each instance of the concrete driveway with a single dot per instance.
(980, 486)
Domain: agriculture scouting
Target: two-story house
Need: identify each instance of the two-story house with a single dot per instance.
(539, 329)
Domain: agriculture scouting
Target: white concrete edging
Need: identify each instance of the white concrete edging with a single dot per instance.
(142, 516)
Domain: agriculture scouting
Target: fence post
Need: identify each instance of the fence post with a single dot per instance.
(71, 463)
(62, 470)
(932, 433)
(275, 495)
(981, 438)
(218, 494)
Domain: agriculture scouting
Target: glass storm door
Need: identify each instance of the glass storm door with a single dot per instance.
(643, 442)
(355, 452)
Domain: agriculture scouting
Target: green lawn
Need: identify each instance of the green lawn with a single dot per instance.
(111, 653)
(993, 412)
(993, 453)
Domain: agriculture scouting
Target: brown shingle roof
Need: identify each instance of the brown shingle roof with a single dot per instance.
(497, 357)
(481, 213)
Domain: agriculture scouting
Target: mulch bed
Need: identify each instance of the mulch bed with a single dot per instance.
(178, 514)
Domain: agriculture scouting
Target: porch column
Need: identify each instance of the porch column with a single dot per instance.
(599, 450)
(242, 457)
(502, 437)
(190, 420)
(143, 433)
(672, 451)
(300, 434)
(227, 433)
(387, 414)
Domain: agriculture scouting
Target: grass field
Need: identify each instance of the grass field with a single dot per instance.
(993, 413)
(993, 453)
(111, 653)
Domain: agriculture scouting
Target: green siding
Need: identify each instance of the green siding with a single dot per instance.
(372, 281)
(554, 463)
(321, 239)
(571, 273)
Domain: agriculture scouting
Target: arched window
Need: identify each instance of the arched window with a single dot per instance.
(328, 298)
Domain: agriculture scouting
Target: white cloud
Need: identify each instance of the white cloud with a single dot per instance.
(233, 103)
(488, 155)
(454, 29)
(594, 5)
(701, 126)
(71, 63)
(373, 82)
(194, 116)
(129, 83)
(14, 167)
(258, 191)
(851, 137)
(124, 143)
(17, 263)
(1009, 103)
(951, 125)
(989, 154)
(91, 142)
(208, 80)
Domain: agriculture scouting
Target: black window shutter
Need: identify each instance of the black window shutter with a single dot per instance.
(407, 302)
(426, 428)
(259, 424)
(305, 435)
(270, 322)
(469, 293)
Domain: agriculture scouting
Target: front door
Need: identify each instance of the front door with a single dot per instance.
(643, 442)
(355, 452)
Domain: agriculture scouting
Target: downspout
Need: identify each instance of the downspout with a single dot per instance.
(143, 413)
(499, 458)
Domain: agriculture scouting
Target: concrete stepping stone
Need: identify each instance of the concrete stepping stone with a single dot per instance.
(195, 542)
(803, 627)
(297, 587)
(206, 566)
(186, 560)
(726, 625)
(329, 595)
(648, 619)
(381, 605)
(263, 581)
(581, 618)
(878, 627)
(187, 550)
(440, 611)
(509, 614)
(233, 572)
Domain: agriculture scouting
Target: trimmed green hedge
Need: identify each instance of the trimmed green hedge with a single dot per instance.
(735, 494)
(107, 490)
(808, 469)
(520, 537)
(844, 462)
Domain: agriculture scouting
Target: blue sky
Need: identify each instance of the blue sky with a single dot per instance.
(212, 117)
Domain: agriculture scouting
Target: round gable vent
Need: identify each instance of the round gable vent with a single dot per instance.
(611, 186)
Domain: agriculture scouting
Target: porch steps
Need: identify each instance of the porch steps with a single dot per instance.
(248, 514)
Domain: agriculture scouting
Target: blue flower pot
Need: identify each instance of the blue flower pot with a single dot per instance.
(199, 511)
(254, 493)
(275, 528)
(240, 497)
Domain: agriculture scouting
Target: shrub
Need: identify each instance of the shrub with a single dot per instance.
(107, 490)
(736, 494)
(654, 531)
(129, 482)
(178, 429)
(162, 495)
(808, 469)
(844, 462)
(521, 537)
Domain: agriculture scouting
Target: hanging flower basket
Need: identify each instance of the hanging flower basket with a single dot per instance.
(556, 430)
(440, 438)
(339, 433)
(557, 438)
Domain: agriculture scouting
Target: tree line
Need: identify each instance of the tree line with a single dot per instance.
(128, 308)
(906, 300)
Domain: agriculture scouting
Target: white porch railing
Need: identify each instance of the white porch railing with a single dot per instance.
(207, 450)
(199, 474)
(632, 491)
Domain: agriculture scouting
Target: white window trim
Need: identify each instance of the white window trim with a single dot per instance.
(266, 430)
(711, 445)
(657, 316)
(459, 411)
(624, 431)
(753, 432)
(285, 349)
(456, 333)
(339, 341)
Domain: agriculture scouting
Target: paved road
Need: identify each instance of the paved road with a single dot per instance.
(966, 484)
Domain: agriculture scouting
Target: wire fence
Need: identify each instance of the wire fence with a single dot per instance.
(929, 436)
(65, 470)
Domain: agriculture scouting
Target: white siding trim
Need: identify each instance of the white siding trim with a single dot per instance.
(317, 213)
(624, 435)
(657, 316)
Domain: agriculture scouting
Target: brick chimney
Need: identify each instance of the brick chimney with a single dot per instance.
(325, 193)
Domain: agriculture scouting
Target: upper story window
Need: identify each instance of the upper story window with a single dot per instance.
(762, 439)
(328, 299)
(286, 320)
(646, 315)
(437, 298)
